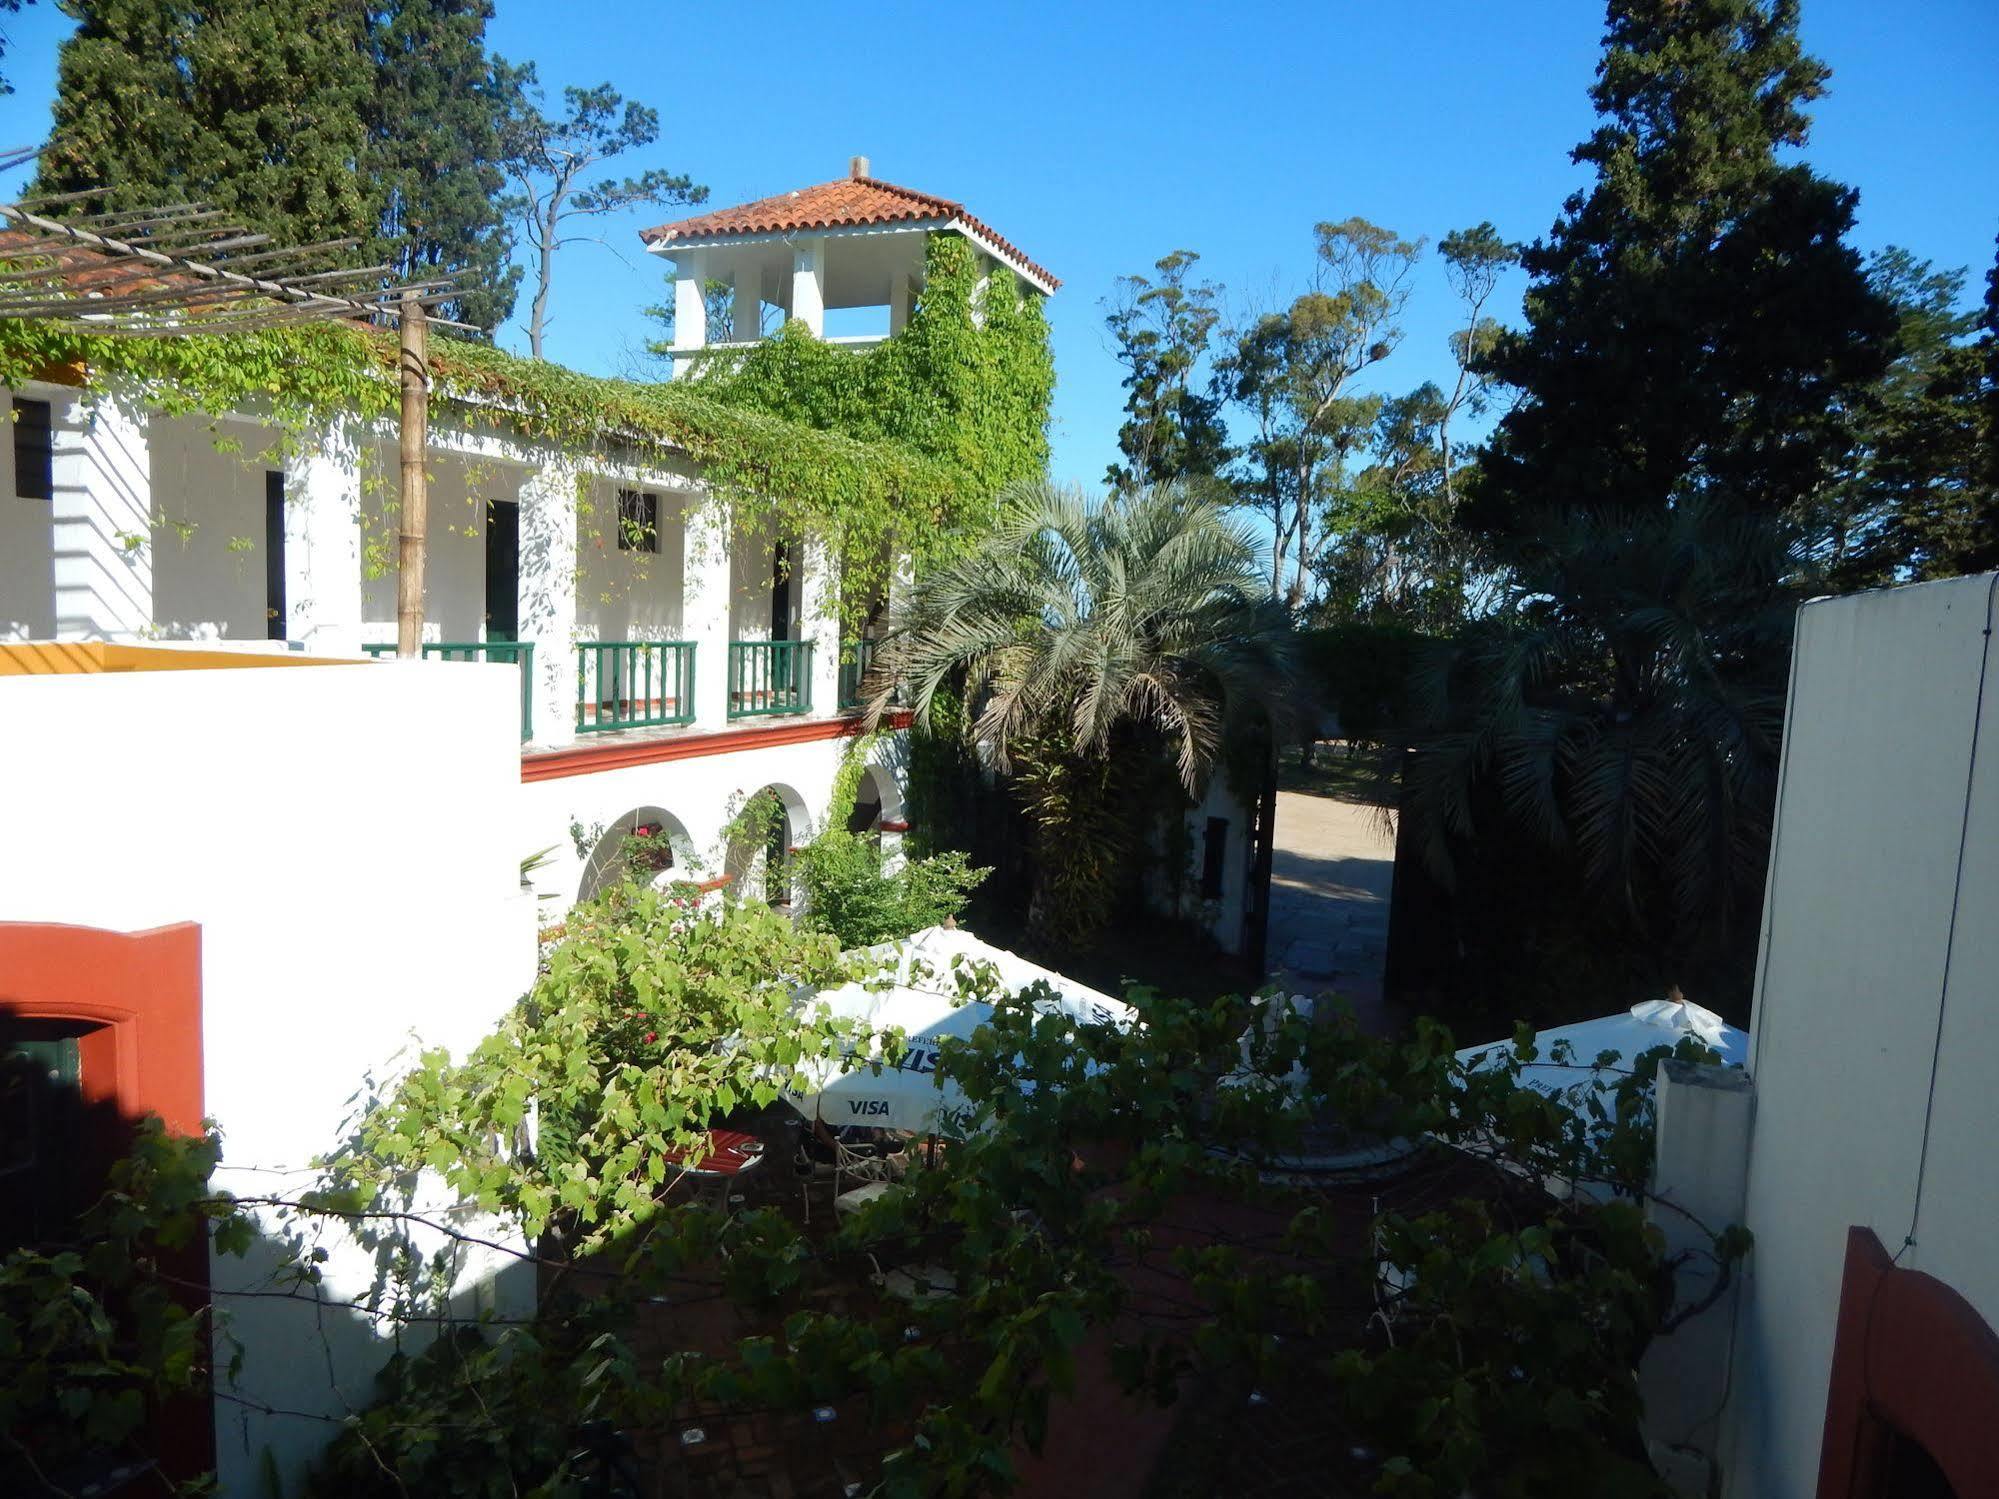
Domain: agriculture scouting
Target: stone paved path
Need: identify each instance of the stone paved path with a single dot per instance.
(1330, 876)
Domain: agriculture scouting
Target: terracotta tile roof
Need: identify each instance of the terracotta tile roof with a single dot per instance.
(847, 202)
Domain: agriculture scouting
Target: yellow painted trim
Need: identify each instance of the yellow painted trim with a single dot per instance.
(36, 658)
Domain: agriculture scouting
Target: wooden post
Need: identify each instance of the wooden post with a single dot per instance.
(414, 369)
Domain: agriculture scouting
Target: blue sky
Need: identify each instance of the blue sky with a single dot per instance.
(1100, 136)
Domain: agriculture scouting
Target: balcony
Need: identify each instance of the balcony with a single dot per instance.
(856, 666)
(768, 677)
(518, 653)
(633, 684)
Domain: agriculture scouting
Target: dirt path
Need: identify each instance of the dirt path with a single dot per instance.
(1330, 876)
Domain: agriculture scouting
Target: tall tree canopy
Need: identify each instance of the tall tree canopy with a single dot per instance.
(1161, 327)
(1697, 322)
(434, 151)
(255, 105)
(310, 121)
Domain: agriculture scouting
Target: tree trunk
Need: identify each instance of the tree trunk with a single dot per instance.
(414, 372)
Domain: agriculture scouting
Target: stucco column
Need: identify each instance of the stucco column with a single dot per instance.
(548, 596)
(819, 623)
(323, 543)
(690, 305)
(745, 305)
(901, 297)
(808, 285)
(101, 505)
(705, 608)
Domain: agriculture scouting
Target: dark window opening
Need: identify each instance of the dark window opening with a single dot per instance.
(503, 570)
(780, 592)
(34, 450)
(638, 521)
(43, 1165)
(777, 862)
(274, 555)
(1214, 857)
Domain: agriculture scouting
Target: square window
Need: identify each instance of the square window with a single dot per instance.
(638, 521)
(34, 450)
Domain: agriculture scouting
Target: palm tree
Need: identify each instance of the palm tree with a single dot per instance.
(1092, 641)
(1623, 712)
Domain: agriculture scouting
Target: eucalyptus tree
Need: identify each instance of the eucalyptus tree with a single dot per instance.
(550, 160)
(1162, 329)
(1296, 372)
(1091, 641)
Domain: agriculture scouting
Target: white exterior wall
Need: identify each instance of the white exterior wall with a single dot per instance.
(1874, 1007)
(208, 549)
(702, 794)
(347, 910)
(1221, 919)
(27, 543)
(627, 594)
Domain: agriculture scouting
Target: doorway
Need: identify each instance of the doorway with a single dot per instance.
(503, 570)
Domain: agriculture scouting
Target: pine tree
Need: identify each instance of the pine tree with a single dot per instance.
(434, 153)
(1697, 322)
(253, 105)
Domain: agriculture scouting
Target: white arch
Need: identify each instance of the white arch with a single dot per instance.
(607, 859)
(746, 855)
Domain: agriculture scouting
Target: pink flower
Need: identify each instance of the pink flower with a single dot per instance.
(652, 1035)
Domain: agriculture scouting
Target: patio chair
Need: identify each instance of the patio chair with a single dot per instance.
(826, 1156)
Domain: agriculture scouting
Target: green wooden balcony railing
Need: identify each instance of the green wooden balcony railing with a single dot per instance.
(502, 652)
(855, 664)
(633, 684)
(769, 676)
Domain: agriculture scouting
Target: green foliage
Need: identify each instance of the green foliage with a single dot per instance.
(1922, 497)
(434, 116)
(620, 1048)
(1097, 640)
(1622, 716)
(1698, 323)
(868, 499)
(1293, 374)
(852, 897)
(1161, 329)
(966, 383)
(1360, 670)
(253, 105)
(95, 1334)
(311, 122)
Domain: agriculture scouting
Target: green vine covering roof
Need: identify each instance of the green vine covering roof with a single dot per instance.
(875, 453)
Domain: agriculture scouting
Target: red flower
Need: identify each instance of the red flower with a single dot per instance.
(652, 1035)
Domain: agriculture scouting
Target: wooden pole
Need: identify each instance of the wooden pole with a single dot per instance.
(415, 375)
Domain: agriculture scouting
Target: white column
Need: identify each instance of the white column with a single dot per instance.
(808, 285)
(102, 514)
(901, 297)
(548, 596)
(819, 622)
(705, 608)
(1700, 1177)
(745, 305)
(690, 305)
(323, 543)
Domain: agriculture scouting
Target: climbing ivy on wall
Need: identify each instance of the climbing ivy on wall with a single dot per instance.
(967, 383)
(866, 493)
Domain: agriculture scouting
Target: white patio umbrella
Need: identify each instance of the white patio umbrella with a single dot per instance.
(923, 999)
(1656, 1022)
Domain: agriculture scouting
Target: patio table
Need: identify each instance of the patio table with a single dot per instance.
(716, 1161)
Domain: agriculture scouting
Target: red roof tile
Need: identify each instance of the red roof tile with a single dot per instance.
(847, 202)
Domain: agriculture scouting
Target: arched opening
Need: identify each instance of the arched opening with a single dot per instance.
(652, 836)
(772, 822)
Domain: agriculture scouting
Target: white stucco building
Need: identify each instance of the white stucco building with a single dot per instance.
(1856, 1356)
